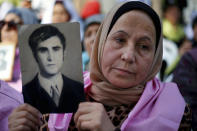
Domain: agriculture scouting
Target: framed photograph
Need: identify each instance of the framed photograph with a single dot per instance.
(7, 54)
(51, 67)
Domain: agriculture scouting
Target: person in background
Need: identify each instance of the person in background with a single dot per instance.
(172, 28)
(122, 92)
(61, 11)
(185, 75)
(9, 26)
(9, 34)
(91, 24)
(26, 4)
(194, 27)
(185, 47)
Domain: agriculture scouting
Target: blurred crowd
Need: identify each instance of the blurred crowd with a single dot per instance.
(179, 18)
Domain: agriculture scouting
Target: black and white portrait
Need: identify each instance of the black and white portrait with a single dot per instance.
(51, 67)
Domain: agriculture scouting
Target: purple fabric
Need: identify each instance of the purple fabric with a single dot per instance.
(59, 122)
(160, 108)
(16, 81)
(17, 70)
(9, 99)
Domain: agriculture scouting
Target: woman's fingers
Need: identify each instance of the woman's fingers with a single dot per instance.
(30, 109)
(25, 123)
(92, 116)
(84, 108)
(21, 128)
(82, 118)
(26, 111)
(25, 117)
(85, 125)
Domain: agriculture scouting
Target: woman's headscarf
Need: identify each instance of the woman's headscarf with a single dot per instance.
(102, 90)
(27, 16)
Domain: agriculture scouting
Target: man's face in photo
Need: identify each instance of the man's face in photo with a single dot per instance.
(50, 56)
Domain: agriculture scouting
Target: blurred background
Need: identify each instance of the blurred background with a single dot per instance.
(179, 19)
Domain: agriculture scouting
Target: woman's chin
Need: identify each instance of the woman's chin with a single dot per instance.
(124, 83)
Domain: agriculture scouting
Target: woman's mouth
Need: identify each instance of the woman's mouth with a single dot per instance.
(124, 71)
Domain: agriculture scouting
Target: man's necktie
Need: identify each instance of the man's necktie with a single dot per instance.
(55, 95)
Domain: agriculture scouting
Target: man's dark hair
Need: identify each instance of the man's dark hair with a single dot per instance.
(43, 33)
(194, 22)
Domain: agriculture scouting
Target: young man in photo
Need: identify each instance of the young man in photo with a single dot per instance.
(50, 91)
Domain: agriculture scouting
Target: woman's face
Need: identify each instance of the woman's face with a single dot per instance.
(90, 35)
(173, 14)
(129, 50)
(10, 34)
(59, 14)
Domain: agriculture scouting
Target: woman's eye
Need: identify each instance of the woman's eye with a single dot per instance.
(144, 47)
(120, 40)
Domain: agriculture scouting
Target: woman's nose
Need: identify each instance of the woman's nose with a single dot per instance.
(128, 55)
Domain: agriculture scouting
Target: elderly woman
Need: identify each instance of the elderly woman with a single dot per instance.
(9, 34)
(121, 90)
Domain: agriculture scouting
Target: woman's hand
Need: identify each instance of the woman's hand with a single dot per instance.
(92, 117)
(24, 118)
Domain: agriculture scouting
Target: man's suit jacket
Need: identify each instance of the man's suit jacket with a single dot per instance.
(72, 94)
